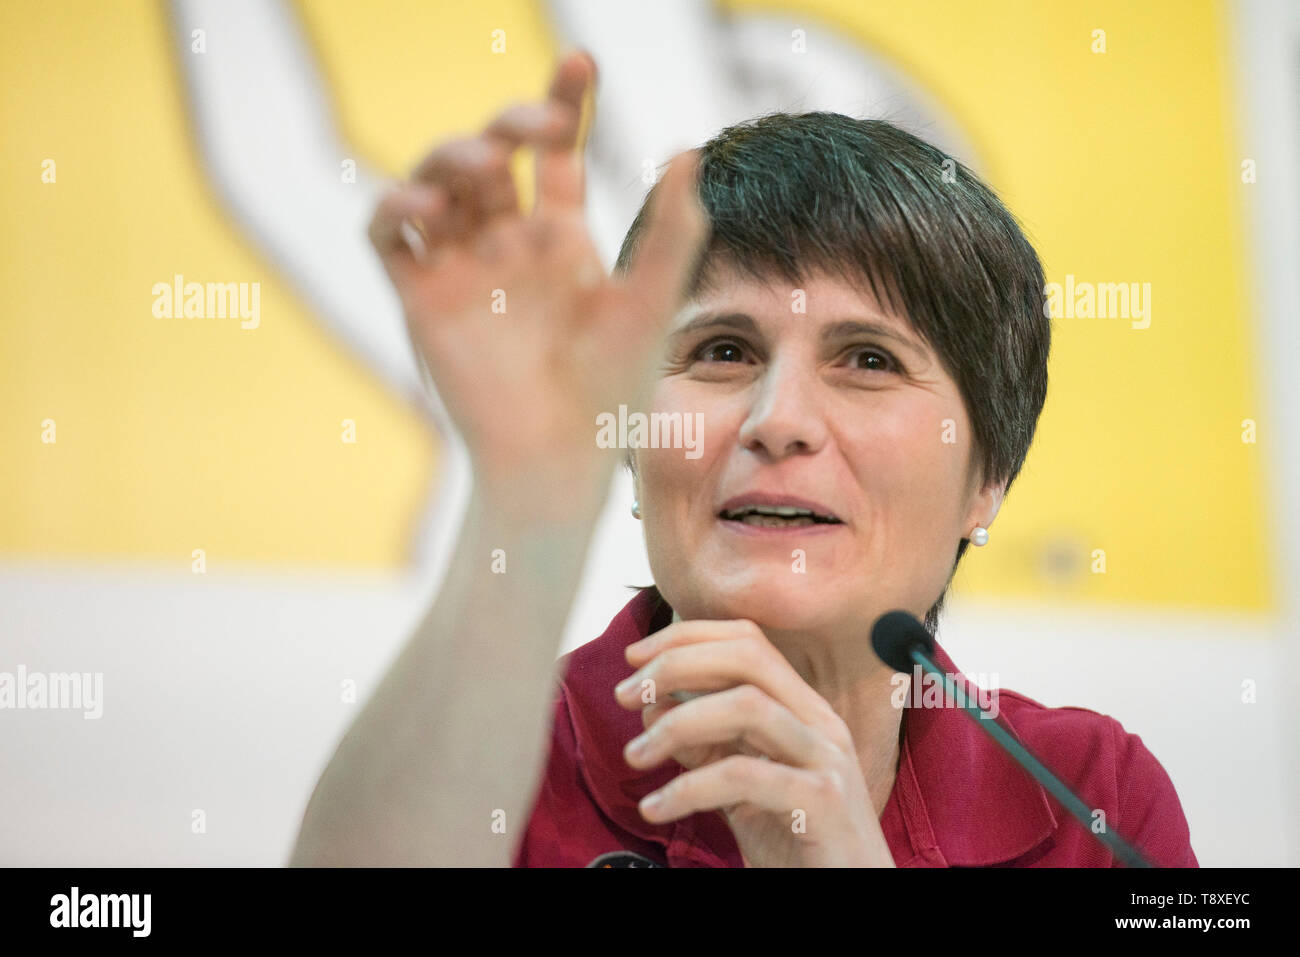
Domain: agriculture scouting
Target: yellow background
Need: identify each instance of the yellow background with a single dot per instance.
(175, 435)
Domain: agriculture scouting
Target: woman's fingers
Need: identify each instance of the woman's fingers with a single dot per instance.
(545, 126)
(409, 219)
(724, 662)
(472, 179)
(744, 715)
(560, 167)
(476, 175)
(476, 171)
(534, 124)
(690, 632)
(655, 711)
(740, 779)
(668, 251)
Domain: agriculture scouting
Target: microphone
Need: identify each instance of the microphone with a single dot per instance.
(894, 636)
(901, 642)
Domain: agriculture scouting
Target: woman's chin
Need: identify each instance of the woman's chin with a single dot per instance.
(789, 607)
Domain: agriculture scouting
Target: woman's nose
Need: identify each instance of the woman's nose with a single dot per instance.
(786, 417)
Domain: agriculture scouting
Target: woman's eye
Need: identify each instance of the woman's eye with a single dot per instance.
(723, 350)
(874, 360)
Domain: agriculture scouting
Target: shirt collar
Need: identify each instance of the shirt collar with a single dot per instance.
(962, 799)
(963, 795)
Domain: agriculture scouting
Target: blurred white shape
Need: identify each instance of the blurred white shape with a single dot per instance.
(268, 141)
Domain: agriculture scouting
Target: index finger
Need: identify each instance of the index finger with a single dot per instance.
(685, 633)
(717, 665)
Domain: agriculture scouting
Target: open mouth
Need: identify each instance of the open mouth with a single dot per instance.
(777, 516)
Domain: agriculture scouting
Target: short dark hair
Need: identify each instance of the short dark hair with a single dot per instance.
(793, 194)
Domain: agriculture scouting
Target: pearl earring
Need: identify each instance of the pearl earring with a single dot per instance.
(636, 509)
(980, 536)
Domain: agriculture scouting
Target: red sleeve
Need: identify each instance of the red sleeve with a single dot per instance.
(560, 774)
(1150, 816)
(567, 827)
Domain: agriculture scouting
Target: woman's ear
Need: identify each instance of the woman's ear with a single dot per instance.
(986, 505)
(986, 495)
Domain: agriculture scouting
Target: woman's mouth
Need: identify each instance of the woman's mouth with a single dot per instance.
(776, 517)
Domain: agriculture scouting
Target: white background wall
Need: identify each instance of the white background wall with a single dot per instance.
(222, 693)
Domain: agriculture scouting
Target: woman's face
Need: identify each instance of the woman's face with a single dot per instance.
(842, 409)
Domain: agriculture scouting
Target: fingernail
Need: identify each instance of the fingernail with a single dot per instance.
(638, 746)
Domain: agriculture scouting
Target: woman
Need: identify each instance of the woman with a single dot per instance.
(857, 325)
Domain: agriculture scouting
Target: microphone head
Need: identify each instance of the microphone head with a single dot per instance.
(893, 637)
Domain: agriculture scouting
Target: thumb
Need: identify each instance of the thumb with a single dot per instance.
(669, 251)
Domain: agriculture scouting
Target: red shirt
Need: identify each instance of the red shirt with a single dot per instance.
(958, 799)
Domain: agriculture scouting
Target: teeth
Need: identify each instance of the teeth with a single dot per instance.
(776, 521)
(786, 513)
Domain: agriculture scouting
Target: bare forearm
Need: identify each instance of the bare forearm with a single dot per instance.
(454, 738)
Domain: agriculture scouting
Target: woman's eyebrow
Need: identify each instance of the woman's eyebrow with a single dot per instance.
(731, 320)
(846, 328)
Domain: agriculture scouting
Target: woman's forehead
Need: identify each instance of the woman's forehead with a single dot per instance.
(726, 287)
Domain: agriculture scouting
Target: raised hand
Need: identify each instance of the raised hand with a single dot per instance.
(524, 334)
